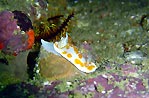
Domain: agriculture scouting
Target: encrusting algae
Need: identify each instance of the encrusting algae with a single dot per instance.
(17, 33)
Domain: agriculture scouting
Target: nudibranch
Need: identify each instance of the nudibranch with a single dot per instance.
(69, 52)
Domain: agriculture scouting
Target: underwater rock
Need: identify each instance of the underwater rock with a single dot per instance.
(16, 37)
(102, 86)
(16, 69)
(53, 67)
(135, 57)
(19, 90)
(129, 69)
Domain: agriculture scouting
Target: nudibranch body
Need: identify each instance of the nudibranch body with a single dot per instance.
(71, 53)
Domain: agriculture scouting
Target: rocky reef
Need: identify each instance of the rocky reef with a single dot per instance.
(110, 84)
(113, 34)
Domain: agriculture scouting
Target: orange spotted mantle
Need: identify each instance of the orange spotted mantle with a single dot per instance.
(72, 54)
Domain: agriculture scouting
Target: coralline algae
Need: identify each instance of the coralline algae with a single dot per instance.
(16, 32)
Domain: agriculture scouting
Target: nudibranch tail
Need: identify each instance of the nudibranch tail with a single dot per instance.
(72, 54)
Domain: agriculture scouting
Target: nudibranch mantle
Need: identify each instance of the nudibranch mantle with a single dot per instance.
(71, 53)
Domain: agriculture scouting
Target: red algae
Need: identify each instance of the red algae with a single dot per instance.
(1, 46)
(31, 39)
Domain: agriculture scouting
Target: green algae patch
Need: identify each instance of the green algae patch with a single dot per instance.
(7, 79)
(68, 85)
(6, 56)
(78, 94)
(100, 88)
(145, 83)
(15, 5)
(145, 64)
(62, 87)
(121, 84)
